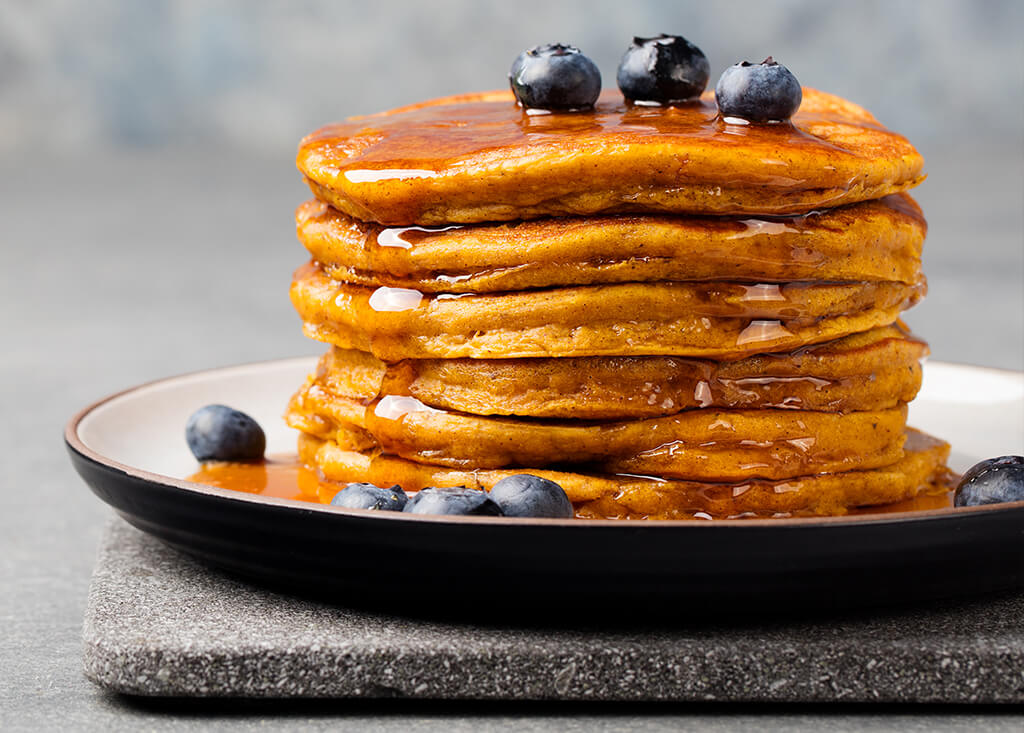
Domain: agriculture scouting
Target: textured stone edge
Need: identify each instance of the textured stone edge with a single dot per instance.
(740, 674)
(535, 666)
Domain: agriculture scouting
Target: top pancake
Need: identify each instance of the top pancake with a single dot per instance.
(480, 157)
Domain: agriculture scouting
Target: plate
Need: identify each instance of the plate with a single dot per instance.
(130, 450)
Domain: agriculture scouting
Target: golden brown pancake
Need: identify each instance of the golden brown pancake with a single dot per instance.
(603, 495)
(715, 320)
(480, 157)
(875, 240)
(874, 370)
(706, 444)
(707, 326)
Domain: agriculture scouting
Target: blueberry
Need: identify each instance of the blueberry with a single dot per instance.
(555, 76)
(219, 433)
(458, 500)
(663, 69)
(368, 496)
(994, 481)
(763, 92)
(526, 495)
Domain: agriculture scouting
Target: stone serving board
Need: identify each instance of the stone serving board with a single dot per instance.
(160, 624)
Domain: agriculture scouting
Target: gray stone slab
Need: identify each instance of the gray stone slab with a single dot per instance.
(160, 624)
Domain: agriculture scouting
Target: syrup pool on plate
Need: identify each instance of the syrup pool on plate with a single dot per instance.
(282, 476)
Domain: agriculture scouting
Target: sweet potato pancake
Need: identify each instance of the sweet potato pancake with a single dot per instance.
(717, 320)
(596, 495)
(480, 157)
(700, 444)
(874, 370)
(669, 312)
(875, 240)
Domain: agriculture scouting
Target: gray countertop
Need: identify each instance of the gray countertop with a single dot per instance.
(124, 268)
(162, 624)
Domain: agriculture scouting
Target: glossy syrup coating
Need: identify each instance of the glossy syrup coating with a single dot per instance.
(480, 157)
(751, 269)
(709, 445)
(874, 240)
(720, 320)
(597, 495)
(917, 482)
(874, 370)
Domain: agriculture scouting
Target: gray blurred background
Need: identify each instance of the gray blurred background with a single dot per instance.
(254, 76)
(147, 186)
(134, 133)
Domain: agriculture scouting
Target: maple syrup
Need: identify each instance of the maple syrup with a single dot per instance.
(475, 158)
(870, 241)
(280, 476)
(420, 142)
(478, 158)
(284, 477)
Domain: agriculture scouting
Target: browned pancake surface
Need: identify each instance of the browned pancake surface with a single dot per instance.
(702, 444)
(875, 240)
(480, 157)
(877, 369)
(596, 495)
(714, 320)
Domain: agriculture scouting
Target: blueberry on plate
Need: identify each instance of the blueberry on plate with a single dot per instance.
(368, 496)
(555, 76)
(526, 495)
(220, 433)
(662, 69)
(459, 500)
(994, 481)
(764, 92)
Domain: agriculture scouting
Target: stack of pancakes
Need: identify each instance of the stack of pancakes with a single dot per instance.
(667, 314)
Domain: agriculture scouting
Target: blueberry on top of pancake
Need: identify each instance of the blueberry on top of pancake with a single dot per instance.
(764, 92)
(662, 70)
(554, 76)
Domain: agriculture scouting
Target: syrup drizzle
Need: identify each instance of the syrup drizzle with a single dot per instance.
(756, 227)
(760, 331)
(770, 292)
(806, 379)
(396, 407)
(699, 121)
(506, 257)
(403, 238)
(387, 174)
(768, 312)
(283, 476)
(425, 141)
(395, 300)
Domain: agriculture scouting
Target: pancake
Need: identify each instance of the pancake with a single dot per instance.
(603, 495)
(875, 240)
(667, 313)
(701, 444)
(866, 371)
(480, 157)
(715, 320)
